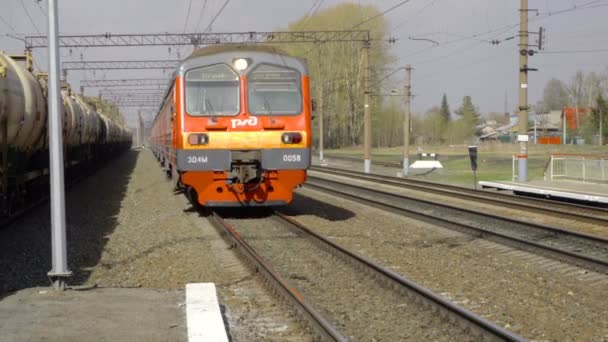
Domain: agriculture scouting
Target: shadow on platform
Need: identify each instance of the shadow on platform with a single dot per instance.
(92, 207)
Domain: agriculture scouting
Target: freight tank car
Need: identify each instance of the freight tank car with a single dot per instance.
(89, 137)
(235, 126)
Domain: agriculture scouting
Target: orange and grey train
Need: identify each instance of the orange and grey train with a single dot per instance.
(235, 126)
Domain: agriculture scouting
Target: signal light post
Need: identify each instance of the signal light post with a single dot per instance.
(407, 120)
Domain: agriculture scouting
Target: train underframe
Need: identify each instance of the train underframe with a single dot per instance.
(245, 185)
(24, 177)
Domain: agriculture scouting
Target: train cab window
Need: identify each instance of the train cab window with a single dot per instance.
(274, 90)
(212, 91)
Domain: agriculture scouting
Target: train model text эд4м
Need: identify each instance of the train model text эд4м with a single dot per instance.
(235, 126)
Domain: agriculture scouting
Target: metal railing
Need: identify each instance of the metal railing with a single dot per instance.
(578, 167)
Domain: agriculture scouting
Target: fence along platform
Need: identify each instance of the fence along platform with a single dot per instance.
(577, 177)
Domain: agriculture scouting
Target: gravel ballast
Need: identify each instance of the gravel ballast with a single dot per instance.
(536, 297)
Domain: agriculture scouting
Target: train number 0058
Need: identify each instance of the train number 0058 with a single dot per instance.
(197, 159)
(292, 158)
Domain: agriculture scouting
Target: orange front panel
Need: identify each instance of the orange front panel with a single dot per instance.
(213, 190)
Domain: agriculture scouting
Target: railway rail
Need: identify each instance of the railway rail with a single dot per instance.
(479, 327)
(322, 327)
(539, 203)
(583, 250)
(583, 213)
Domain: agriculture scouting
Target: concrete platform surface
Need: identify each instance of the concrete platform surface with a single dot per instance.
(107, 314)
(579, 191)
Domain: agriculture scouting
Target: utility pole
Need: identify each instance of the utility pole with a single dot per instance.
(601, 123)
(320, 110)
(407, 120)
(367, 118)
(522, 138)
(59, 270)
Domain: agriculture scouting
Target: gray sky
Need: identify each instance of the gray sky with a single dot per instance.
(457, 66)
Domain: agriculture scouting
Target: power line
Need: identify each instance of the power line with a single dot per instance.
(216, 16)
(309, 15)
(381, 14)
(44, 13)
(200, 16)
(30, 17)
(401, 24)
(7, 24)
(187, 16)
(575, 51)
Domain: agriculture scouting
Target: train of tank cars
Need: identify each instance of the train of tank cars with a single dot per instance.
(89, 137)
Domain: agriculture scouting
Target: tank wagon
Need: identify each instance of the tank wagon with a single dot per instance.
(235, 126)
(89, 137)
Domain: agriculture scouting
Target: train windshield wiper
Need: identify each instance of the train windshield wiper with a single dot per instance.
(209, 107)
(267, 105)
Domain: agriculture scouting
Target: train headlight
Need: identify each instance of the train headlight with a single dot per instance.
(240, 64)
(198, 139)
(291, 138)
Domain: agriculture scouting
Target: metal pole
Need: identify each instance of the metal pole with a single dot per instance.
(522, 174)
(406, 120)
(320, 110)
(367, 118)
(563, 127)
(59, 269)
(601, 138)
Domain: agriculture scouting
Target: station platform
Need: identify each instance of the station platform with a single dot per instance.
(113, 314)
(564, 190)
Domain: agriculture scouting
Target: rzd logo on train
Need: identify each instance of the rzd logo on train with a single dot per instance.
(252, 121)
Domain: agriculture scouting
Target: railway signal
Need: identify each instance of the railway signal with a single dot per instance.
(473, 157)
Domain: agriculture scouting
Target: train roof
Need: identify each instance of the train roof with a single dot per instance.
(225, 53)
(221, 48)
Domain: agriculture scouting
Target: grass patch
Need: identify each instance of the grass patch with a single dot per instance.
(494, 160)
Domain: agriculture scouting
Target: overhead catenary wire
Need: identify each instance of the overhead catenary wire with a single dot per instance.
(309, 15)
(200, 16)
(574, 51)
(407, 20)
(216, 16)
(381, 14)
(187, 16)
(30, 17)
(8, 24)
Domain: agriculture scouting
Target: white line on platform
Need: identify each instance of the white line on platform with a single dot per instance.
(203, 314)
(546, 192)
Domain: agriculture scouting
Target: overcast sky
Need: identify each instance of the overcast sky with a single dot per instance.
(456, 66)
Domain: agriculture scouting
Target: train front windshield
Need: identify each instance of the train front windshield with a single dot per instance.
(274, 90)
(212, 91)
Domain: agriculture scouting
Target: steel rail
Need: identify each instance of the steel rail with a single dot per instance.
(572, 257)
(325, 329)
(374, 162)
(468, 194)
(466, 318)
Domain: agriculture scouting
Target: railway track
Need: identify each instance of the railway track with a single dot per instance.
(583, 250)
(543, 203)
(359, 160)
(582, 213)
(421, 308)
